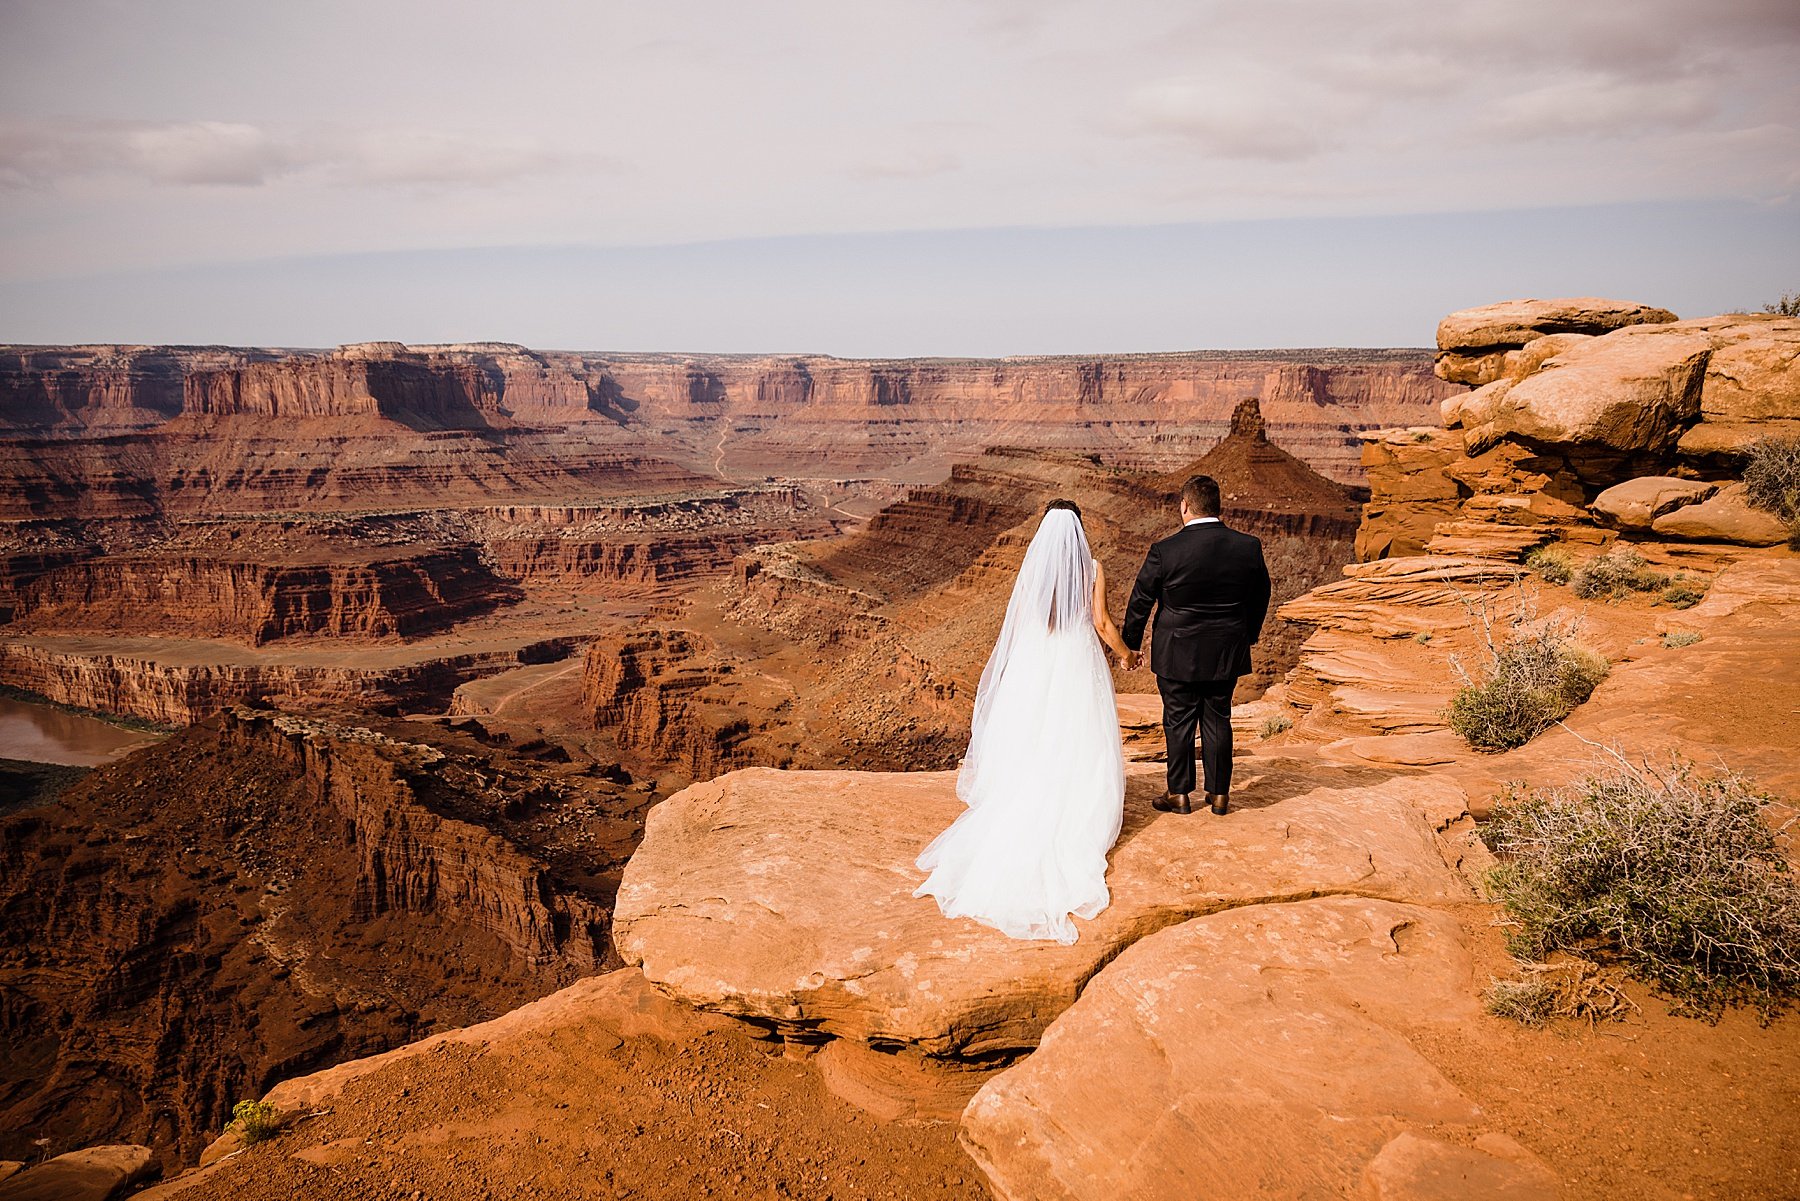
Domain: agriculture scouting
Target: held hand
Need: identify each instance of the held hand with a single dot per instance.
(1133, 660)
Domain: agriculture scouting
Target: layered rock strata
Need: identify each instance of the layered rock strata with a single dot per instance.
(322, 891)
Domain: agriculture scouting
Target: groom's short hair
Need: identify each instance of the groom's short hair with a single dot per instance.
(1201, 495)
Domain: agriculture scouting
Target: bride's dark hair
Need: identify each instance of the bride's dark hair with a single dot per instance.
(1070, 505)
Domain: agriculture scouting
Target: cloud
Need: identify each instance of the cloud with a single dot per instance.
(1600, 106)
(203, 152)
(1235, 115)
(233, 154)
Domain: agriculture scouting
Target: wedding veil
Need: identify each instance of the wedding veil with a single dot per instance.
(1053, 595)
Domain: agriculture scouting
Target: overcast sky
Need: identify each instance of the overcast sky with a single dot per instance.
(940, 176)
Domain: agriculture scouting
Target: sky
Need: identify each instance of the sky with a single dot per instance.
(955, 177)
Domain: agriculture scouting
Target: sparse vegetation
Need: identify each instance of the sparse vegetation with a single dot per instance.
(1422, 637)
(1277, 723)
(1535, 676)
(1682, 592)
(1674, 875)
(1615, 575)
(1553, 563)
(1772, 481)
(255, 1120)
(1569, 989)
(1787, 306)
(1675, 639)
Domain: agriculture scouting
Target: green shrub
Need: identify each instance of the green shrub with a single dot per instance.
(1276, 724)
(255, 1120)
(1680, 638)
(1675, 876)
(1616, 574)
(1534, 680)
(1682, 592)
(1554, 563)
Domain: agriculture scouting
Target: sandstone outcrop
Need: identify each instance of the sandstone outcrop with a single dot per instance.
(1474, 344)
(1262, 1052)
(1631, 393)
(786, 899)
(1727, 516)
(1636, 503)
(91, 1174)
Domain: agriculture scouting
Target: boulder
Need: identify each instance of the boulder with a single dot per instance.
(1512, 323)
(92, 1174)
(1632, 393)
(1497, 341)
(1634, 504)
(785, 897)
(1477, 369)
(1754, 375)
(1727, 517)
(1261, 1053)
(1726, 443)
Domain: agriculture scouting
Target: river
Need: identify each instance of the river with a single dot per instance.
(43, 734)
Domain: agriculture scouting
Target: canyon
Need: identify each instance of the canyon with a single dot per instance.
(555, 732)
(419, 633)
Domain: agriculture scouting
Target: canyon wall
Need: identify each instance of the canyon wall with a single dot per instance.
(264, 894)
(805, 416)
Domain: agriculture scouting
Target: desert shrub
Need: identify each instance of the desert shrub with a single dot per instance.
(1787, 306)
(1674, 875)
(255, 1120)
(1571, 989)
(1422, 637)
(1276, 724)
(1772, 476)
(1680, 638)
(1615, 574)
(1534, 677)
(1682, 592)
(1554, 563)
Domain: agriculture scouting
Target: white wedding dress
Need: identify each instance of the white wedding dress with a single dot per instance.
(1044, 776)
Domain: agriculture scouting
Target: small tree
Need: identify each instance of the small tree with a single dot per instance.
(1787, 306)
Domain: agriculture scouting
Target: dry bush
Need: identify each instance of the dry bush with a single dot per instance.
(1554, 563)
(1570, 989)
(1616, 574)
(1277, 723)
(1676, 639)
(1682, 592)
(1674, 875)
(1535, 675)
(1787, 306)
(1772, 481)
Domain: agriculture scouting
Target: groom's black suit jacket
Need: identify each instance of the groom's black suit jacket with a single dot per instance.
(1211, 588)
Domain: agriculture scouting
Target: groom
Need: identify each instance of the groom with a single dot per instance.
(1211, 588)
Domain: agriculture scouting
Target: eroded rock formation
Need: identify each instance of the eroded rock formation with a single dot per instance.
(264, 894)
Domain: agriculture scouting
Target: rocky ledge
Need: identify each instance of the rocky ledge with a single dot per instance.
(786, 898)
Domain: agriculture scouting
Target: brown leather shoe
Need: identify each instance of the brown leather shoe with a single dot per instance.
(1174, 802)
(1219, 801)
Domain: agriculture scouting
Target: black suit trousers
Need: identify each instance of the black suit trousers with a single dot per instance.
(1206, 703)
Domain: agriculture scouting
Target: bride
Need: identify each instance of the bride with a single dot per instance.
(1044, 776)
